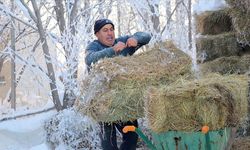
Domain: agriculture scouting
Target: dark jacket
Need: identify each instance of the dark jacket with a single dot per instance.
(96, 50)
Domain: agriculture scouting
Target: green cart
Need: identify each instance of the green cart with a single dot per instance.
(179, 140)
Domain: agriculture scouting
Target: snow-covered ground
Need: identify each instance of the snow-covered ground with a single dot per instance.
(25, 133)
(67, 129)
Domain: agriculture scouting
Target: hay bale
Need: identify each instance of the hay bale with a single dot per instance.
(213, 46)
(217, 101)
(242, 143)
(227, 65)
(213, 22)
(113, 91)
(240, 13)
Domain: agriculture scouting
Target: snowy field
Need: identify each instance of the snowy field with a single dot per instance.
(25, 133)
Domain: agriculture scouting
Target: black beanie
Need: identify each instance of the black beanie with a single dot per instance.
(100, 23)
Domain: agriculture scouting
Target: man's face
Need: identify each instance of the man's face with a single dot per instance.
(106, 35)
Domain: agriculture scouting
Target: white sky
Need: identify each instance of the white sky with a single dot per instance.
(209, 5)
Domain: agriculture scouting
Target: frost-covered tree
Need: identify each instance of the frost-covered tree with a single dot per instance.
(69, 130)
(66, 24)
(61, 29)
(4, 38)
(51, 36)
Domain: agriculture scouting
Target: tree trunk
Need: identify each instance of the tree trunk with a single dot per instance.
(47, 56)
(119, 20)
(109, 9)
(13, 65)
(71, 79)
(87, 14)
(26, 115)
(190, 25)
(59, 9)
(168, 9)
(154, 17)
(73, 16)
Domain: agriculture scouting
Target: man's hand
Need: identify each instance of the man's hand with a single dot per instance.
(131, 42)
(119, 47)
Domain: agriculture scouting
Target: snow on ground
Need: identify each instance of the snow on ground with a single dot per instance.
(25, 133)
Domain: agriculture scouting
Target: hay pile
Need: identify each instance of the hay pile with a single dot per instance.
(227, 65)
(213, 46)
(213, 22)
(217, 101)
(242, 143)
(113, 90)
(240, 12)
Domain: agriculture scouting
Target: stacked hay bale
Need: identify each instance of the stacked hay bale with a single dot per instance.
(213, 22)
(234, 58)
(227, 65)
(241, 144)
(217, 38)
(224, 39)
(114, 89)
(216, 101)
(215, 46)
(240, 13)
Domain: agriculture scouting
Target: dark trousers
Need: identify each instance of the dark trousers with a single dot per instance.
(108, 136)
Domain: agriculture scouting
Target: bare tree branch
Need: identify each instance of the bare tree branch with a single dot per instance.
(18, 19)
(24, 66)
(26, 63)
(170, 16)
(100, 9)
(4, 27)
(30, 12)
(109, 9)
(28, 114)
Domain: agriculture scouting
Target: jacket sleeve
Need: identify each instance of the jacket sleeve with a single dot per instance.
(94, 54)
(143, 38)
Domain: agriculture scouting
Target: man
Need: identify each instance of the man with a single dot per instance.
(107, 45)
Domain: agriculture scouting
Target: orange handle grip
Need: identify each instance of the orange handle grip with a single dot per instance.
(126, 129)
(205, 129)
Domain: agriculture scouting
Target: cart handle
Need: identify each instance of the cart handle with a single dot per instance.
(150, 145)
(205, 129)
(126, 129)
